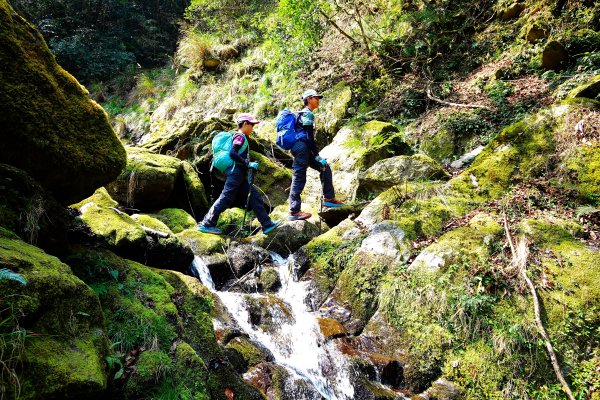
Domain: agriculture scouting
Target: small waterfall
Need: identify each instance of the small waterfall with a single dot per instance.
(298, 344)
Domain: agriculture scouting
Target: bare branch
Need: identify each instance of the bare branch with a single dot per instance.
(449, 103)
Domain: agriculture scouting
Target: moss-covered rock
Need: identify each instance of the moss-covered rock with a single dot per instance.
(397, 170)
(246, 353)
(51, 129)
(272, 179)
(333, 110)
(148, 180)
(590, 89)
(26, 207)
(328, 255)
(354, 149)
(188, 192)
(176, 219)
(158, 310)
(65, 356)
(288, 238)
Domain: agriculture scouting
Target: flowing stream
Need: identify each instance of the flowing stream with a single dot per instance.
(297, 344)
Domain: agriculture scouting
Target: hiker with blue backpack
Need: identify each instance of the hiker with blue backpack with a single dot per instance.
(232, 157)
(297, 134)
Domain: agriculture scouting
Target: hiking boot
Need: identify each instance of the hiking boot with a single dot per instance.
(209, 229)
(299, 216)
(271, 226)
(332, 203)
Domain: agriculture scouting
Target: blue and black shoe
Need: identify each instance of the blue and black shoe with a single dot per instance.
(209, 229)
(271, 226)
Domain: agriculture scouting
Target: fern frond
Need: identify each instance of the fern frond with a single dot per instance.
(11, 276)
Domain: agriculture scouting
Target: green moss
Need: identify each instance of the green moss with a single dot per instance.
(272, 179)
(118, 229)
(151, 222)
(231, 219)
(584, 163)
(55, 367)
(64, 139)
(202, 243)
(176, 219)
(251, 355)
(269, 280)
(329, 254)
(100, 197)
(359, 284)
(590, 89)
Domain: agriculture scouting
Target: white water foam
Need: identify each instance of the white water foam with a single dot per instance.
(297, 344)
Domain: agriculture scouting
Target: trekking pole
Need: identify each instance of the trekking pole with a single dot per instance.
(251, 171)
(322, 199)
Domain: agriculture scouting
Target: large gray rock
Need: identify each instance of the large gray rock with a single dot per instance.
(396, 170)
(50, 128)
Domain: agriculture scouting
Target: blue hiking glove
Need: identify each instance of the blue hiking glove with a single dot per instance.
(253, 165)
(322, 161)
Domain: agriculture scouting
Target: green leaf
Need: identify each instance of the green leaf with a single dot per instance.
(12, 276)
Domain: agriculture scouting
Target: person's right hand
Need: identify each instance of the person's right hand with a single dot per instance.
(253, 165)
(322, 161)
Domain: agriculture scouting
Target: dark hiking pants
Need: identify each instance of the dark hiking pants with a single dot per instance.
(302, 160)
(236, 191)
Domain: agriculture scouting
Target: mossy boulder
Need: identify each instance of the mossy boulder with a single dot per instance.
(51, 129)
(334, 108)
(355, 148)
(272, 179)
(473, 241)
(328, 256)
(176, 219)
(148, 180)
(357, 289)
(397, 170)
(246, 354)
(29, 210)
(554, 56)
(160, 311)
(511, 11)
(590, 90)
(277, 383)
(139, 237)
(288, 238)
(65, 356)
(188, 192)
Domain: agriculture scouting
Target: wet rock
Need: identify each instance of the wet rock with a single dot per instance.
(268, 312)
(331, 329)
(50, 127)
(300, 263)
(554, 56)
(244, 258)
(391, 371)
(396, 170)
(276, 383)
(333, 216)
(244, 353)
(288, 238)
(265, 280)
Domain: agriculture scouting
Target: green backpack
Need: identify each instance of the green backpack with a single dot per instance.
(221, 145)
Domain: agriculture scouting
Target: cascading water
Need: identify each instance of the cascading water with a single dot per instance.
(297, 344)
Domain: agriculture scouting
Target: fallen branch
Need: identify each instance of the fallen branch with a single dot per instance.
(155, 232)
(449, 103)
(519, 258)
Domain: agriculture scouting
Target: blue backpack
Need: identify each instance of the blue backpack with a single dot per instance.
(288, 132)
(221, 145)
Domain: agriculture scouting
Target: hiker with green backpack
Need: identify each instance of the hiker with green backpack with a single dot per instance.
(232, 157)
